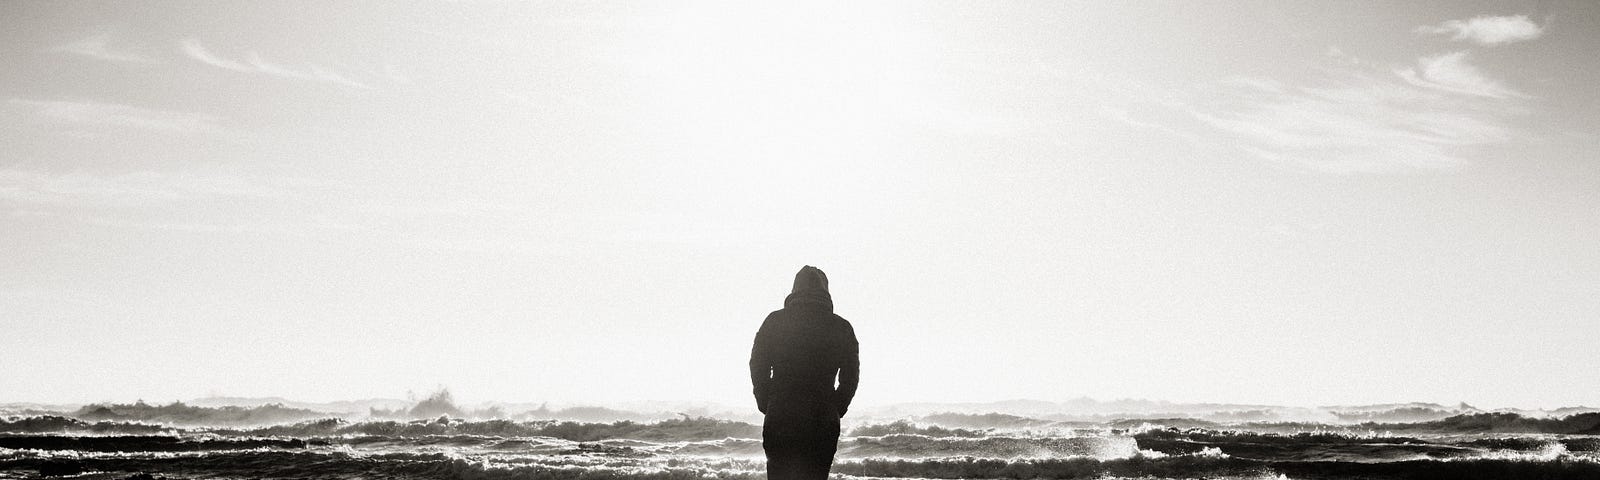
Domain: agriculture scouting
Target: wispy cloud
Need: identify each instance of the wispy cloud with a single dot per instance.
(127, 189)
(254, 63)
(1121, 115)
(1357, 122)
(1451, 72)
(88, 113)
(99, 46)
(1358, 118)
(1487, 30)
(301, 228)
(187, 201)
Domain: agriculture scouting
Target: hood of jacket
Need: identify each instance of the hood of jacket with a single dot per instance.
(810, 290)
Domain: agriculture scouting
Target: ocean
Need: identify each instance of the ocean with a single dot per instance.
(1470, 446)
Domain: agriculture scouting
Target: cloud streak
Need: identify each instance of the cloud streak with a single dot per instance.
(184, 201)
(1452, 73)
(255, 64)
(1487, 30)
(99, 47)
(1359, 119)
(1358, 123)
(126, 190)
(88, 113)
(165, 201)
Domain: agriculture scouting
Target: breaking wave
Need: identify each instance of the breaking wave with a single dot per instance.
(667, 430)
(441, 465)
(1465, 446)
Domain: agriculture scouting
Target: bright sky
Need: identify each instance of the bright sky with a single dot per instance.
(1271, 202)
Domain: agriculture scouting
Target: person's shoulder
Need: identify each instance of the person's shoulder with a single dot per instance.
(773, 321)
(841, 321)
(776, 315)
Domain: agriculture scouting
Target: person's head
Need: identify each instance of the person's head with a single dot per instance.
(810, 290)
(810, 278)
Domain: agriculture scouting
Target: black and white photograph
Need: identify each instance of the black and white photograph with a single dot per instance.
(843, 240)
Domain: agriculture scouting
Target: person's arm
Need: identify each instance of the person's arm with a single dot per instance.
(849, 370)
(761, 366)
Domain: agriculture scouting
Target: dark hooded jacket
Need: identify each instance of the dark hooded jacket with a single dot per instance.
(799, 352)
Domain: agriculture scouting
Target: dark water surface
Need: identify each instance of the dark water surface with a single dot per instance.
(703, 448)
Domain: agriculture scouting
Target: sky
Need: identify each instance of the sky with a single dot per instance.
(1279, 202)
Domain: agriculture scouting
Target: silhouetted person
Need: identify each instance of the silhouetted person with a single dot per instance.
(798, 352)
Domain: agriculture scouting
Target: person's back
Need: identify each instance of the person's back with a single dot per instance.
(798, 352)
